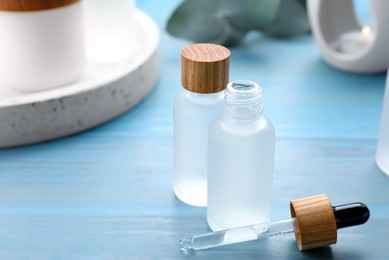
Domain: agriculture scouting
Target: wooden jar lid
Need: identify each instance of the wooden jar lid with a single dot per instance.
(32, 5)
(316, 222)
(205, 68)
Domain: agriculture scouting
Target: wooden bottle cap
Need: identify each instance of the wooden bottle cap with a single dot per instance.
(205, 68)
(316, 222)
(32, 5)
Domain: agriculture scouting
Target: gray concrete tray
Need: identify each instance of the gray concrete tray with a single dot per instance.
(106, 91)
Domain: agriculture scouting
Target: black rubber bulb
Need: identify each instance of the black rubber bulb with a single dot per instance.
(351, 214)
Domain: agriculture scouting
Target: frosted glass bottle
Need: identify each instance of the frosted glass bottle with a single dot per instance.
(205, 70)
(240, 160)
(382, 155)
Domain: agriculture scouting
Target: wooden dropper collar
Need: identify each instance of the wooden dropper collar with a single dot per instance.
(316, 222)
(205, 68)
(33, 5)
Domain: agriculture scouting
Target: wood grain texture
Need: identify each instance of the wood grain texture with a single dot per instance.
(205, 68)
(33, 5)
(107, 193)
(316, 221)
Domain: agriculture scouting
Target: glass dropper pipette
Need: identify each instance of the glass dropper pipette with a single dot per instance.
(344, 216)
(240, 234)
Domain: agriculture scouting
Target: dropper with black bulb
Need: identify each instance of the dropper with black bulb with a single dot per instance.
(314, 221)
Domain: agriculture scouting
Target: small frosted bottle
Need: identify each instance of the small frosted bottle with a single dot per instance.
(382, 155)
(240, 160)
(204, 76)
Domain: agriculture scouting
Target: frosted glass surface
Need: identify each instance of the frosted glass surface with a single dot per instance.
(240, 173)
(382, 156)
(193, 113)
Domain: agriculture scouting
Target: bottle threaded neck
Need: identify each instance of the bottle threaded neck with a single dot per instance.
(243, 100)
(243, 92)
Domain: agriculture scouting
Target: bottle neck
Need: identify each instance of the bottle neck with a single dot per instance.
(243, 100)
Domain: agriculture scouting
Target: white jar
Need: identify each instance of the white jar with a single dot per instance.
(240, 160)
(42, 44)
(110, 29)
(204, 76)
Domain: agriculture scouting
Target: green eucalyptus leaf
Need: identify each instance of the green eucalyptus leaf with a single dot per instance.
(251, 14)
(291, 20)
(221, 21)
(304, 4)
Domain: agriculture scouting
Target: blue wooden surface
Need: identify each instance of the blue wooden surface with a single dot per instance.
(107, 193)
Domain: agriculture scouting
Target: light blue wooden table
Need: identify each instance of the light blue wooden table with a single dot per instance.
(107, 193)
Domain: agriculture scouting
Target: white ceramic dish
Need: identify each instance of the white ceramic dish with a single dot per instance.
(105, 91)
